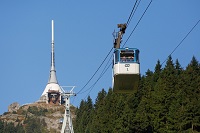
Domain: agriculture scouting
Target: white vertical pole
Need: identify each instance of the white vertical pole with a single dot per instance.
(52, 36)
(52, 46)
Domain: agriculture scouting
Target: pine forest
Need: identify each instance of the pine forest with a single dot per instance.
(167, 100)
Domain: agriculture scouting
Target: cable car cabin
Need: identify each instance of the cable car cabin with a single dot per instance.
(126, 70)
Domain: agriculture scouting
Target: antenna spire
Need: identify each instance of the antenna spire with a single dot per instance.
(52, 47)
(52, 89)
(52, 33)
(52, 78)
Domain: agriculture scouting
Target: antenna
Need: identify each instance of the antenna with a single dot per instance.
(52, 28)
(52, 46)
(52, 78)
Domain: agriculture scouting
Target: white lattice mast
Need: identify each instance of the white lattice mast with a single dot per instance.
(67, 126)
(52, 84)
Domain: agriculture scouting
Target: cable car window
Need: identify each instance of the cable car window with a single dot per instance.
(116, 56)
(127, 55)
(137, 56)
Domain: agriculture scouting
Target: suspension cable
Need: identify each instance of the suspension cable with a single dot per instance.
(137, 23)
(135, 9)
(181, 41)
(131, 14)
(101, 75)
(96, 70)
(103, 72)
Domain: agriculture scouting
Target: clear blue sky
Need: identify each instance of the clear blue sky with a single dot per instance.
(83, 37)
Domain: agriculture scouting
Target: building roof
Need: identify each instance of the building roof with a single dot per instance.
(51, 86)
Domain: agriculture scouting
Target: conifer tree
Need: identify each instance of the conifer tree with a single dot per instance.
(178, 67)
(79, 114)
(143, 116)
(84, 116)
(162, 98)
(157, 71)
(88, 114)
(192, 89)
(98, 116)
(175, 108)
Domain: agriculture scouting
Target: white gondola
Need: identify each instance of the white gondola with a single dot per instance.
(126, 70)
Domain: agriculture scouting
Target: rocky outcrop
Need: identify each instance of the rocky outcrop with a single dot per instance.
(50, 114)
(13, 107)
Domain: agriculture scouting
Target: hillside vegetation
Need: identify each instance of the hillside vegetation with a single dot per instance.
(167, 100)
(34, 118)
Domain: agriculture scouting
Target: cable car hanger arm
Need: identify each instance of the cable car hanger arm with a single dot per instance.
(120, 34)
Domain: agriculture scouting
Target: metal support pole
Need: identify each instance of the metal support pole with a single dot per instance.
(117, 41)
(67, 126)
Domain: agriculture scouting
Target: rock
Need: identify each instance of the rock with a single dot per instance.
(49, 115)
(13, 107)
